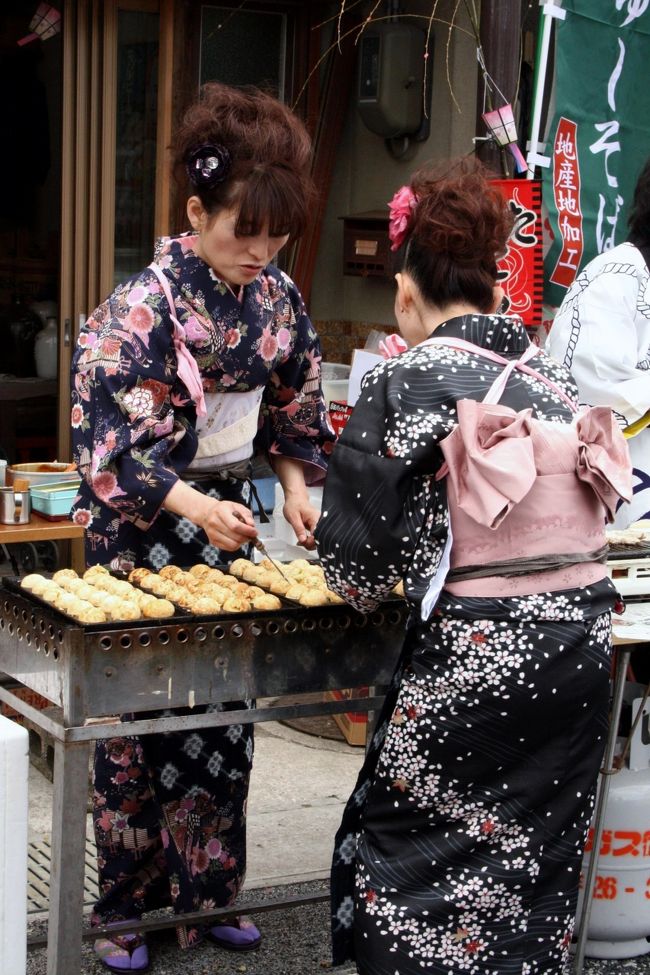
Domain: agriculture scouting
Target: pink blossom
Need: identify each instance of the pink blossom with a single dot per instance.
(136, 295)
(213, 849)
(82, 516)
(200, 860)
(233, 338)
(401, 207)
(195, 330)
(284, 338)
(187, 243)
(181, 815)
(140, 319)
(120, 778)
(76, 416)
(228, 380)
(268, 345)
(87, 340)
(111, 439)
(104, 485)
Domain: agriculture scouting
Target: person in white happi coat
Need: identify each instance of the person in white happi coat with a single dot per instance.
(601, 333)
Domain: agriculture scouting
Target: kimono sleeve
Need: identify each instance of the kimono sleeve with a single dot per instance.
(376, 505)
(125, 423)
(599, 331)
(294, 419)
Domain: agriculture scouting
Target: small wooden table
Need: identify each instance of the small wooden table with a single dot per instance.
(40, 529)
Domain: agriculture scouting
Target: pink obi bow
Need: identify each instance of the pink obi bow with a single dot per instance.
(392, 345)
(491, 461)
(604, 457)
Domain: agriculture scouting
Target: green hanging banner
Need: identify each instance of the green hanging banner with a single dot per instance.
(599, 136)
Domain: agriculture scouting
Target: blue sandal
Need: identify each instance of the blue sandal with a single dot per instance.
(124, 953)
(239, 934)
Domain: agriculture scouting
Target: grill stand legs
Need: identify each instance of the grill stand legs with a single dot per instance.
(68, 853)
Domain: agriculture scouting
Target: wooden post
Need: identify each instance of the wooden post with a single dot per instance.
(500, 35)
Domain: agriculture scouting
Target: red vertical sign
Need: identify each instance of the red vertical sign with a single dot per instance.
(566, 192)
(521, 269)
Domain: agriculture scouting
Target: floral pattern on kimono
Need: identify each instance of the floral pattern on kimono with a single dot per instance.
(460, 847)
(133, 421)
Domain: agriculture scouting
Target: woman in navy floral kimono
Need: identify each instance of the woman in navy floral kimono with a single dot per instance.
(185, 371)
(466, 471)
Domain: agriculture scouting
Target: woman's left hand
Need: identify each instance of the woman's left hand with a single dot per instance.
(303, 518)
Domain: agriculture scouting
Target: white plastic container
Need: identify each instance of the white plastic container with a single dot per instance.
(46, 346)
(334, 379)
(14, 773)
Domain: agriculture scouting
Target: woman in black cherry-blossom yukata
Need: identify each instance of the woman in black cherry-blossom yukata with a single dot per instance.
(466, 471)
(185, 371)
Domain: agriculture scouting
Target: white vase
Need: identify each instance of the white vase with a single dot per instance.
(45, 350)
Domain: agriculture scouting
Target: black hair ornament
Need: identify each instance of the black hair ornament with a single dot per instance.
(208, 165)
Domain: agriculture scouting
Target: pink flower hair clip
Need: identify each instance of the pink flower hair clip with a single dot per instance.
(401, 208)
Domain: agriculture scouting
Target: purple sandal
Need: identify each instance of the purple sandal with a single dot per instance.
(124, 953)
(239, 934)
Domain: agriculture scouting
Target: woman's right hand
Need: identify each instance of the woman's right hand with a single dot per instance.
(227, 524)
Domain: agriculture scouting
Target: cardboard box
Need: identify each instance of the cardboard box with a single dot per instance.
(353, 724)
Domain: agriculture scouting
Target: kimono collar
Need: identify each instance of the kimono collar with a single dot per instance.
(500, 333)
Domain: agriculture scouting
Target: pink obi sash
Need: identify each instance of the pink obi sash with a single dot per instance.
(528, 498)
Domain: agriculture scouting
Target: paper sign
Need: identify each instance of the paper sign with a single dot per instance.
(362, 362)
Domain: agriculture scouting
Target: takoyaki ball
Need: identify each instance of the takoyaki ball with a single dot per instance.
(299, 564)
(313, 597)
(35, 583)
(250, 573)
(128, 610)
(266, 602)
(295, 592)
(213, 591)
(205, 606)
(265, 578)
(185, 598)
(137, 575)
(199, 570)
(237, 567)
(154, 608)
(334, 598)
(229, 582)
(161, 587)
(170, 571)
(90, 614)
(64, 574)
(254, 591)
(50, 593)
(235, 604)
(95, 570)
(76, 585)
(279, 586)
(174, 593)
(64, 600)
(122, 588)
(214, 575)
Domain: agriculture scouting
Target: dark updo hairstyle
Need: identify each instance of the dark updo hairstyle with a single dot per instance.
(639, 218)
(268, 153)
(457, 231)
